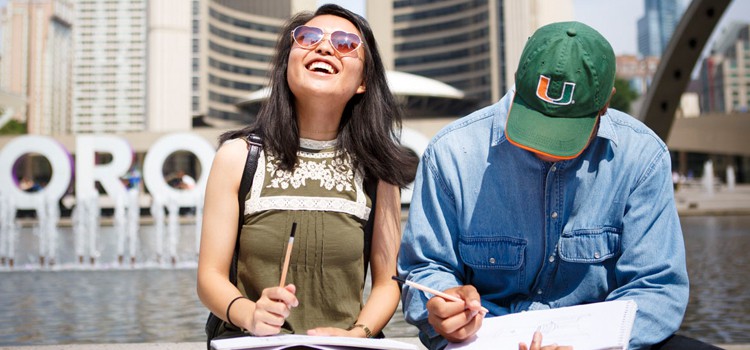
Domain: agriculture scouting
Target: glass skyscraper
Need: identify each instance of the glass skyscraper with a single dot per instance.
(658, 23)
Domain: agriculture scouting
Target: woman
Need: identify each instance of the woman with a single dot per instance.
(328, 123)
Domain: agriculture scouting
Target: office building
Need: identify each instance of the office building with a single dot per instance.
(169, 66)
(725, 74)
(637, 71)
(132, 66)
(233, 53)
(472, 45)
(37, 41)
(655, 28)
(109, 84)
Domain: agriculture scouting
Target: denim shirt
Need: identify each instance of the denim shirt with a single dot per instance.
(531, 235)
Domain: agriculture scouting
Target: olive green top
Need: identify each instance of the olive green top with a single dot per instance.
(326, 199)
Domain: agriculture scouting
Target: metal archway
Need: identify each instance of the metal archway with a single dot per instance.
(677, 62)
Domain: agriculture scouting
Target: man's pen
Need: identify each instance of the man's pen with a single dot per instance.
(433, 291)
(285, 267)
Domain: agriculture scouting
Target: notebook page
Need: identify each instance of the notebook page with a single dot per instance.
(597, 326)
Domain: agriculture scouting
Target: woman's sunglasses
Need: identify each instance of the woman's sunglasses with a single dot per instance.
(343, 42)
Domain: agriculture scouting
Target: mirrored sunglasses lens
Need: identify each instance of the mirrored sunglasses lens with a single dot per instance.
(307, 36)
(345, 42)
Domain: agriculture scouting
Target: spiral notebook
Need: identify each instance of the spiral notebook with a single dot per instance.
(598, 326)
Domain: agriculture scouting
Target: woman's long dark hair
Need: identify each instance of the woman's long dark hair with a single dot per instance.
(369, 122)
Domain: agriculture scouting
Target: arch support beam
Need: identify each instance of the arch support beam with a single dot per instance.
(677, 62)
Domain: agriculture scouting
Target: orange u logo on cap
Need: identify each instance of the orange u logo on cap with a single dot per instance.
(565, 98)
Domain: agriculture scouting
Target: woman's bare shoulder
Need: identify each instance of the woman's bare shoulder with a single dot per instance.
(229, 153)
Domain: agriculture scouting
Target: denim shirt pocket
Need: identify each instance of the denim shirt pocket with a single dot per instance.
(590, 245)
(492, 253)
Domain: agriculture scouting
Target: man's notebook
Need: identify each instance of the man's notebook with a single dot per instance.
(313, 342)
(598, 326)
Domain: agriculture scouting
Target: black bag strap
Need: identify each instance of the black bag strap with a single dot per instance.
(254, 146)
(371, 188)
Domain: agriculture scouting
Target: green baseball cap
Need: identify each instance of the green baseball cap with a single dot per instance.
(564, 78)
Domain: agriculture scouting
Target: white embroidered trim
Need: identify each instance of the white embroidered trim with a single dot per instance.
(308, 203)
(334, 174)
(318, 155)
(316, 145)
(255, 203)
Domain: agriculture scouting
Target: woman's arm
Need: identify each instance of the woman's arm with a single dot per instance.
(219, 230)
(386, 240)
(218, 237)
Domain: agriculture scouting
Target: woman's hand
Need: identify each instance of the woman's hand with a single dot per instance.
(337, 332)
(272, 309)
(536, 344)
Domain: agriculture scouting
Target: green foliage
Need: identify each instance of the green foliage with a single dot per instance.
(624, 96)
(13, 128)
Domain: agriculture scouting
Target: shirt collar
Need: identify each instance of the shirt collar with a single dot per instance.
(607, 129)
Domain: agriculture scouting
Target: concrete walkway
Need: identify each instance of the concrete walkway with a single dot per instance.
(696, 200)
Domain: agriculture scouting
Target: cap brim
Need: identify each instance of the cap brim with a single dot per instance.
(552, 136)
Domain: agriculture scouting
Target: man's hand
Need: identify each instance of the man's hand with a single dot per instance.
(456, 321)
(536, 344)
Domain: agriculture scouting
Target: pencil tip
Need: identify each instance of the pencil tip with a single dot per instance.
(294, 229)
(398, 279)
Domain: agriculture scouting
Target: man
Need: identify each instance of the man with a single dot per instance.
(546, 199)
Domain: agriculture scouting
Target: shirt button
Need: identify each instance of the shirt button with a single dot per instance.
(554, 215)
(551, 258)
(596, 255)
(492, 261)
(553, 168)
(538, 291)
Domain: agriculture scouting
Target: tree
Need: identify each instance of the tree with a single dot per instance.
(624, 96)
(13, 127)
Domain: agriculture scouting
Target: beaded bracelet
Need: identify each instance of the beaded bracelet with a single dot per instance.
(368, 334)
(229, 320)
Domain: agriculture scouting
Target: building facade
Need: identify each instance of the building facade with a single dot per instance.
(109, 81)
(169, 66)
(472, 45)
(637, 71)
(725, 74)
(655, 28)
(237, 41)
(37, 41)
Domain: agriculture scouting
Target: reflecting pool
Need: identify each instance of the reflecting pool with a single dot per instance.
(155, 301)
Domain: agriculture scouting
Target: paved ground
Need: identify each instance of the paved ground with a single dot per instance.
(696, 200)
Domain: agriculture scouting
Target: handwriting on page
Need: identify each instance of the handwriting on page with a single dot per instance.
(597, 326)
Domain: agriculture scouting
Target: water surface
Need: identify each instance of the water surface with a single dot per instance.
(153, 301)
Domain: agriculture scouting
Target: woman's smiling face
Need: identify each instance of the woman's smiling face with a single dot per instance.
(322, 72)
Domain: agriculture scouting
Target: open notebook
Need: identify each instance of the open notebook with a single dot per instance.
(598, 326)
(313, 342)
